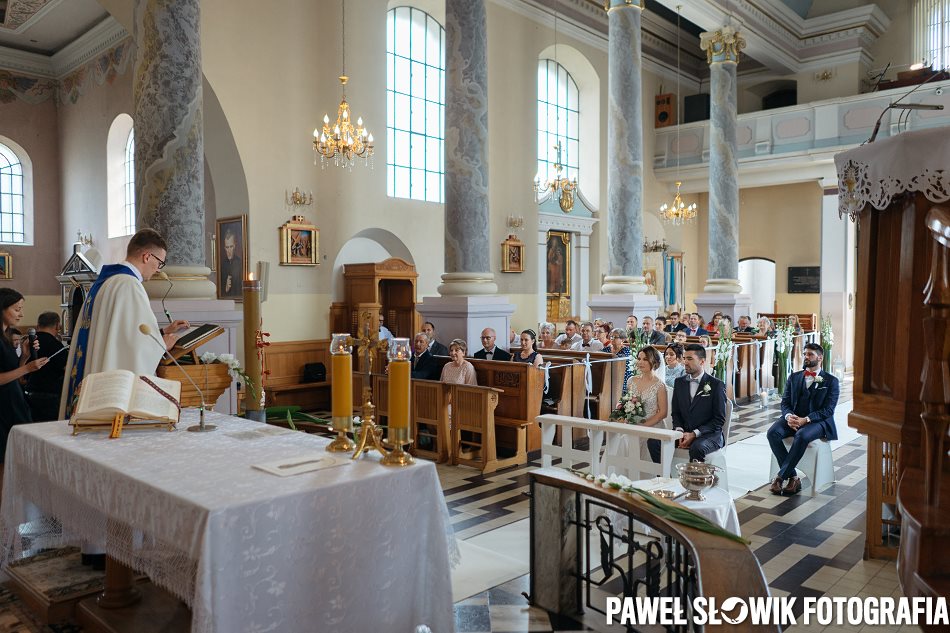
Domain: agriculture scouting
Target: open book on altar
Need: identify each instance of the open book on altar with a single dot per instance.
(117, 398)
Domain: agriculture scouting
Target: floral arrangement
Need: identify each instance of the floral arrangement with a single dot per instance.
(723, 351)
(784, 334)
(637, 340)
(827, 342)
(629, 410)
(234, 368)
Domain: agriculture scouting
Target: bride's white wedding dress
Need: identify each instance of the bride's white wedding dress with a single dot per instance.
(648, 397)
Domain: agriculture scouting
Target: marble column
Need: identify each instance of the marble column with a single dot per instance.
(722, 290)
(169, 145)
(624, 288)
(467, 247)
(469, 301)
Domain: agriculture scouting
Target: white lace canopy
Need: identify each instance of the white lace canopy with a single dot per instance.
(910, 162)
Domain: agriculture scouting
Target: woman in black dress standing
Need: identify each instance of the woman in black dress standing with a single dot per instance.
(13, 405)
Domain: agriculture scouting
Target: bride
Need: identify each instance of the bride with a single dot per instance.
(650, 386)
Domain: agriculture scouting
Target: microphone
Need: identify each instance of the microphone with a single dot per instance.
(162, 275)
(201, 426)
(905, 106)
(32, 334)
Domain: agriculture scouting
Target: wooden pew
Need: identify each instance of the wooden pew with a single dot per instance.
(430, 419)
(522, 387)
(285, 361)
(474, 439)
(606, 382)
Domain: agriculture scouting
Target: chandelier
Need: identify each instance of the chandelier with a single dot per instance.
(562, 188)
(344, 142)
(677, 212)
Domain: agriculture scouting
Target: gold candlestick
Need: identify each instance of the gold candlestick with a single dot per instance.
(399, 411)
(341, 376)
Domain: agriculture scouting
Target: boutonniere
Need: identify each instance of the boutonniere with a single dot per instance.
(706, 389)
(819, 379)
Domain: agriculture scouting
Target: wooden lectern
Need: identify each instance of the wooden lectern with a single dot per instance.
(897, 190)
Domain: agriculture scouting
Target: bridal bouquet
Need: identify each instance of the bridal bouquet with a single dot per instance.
(629, 410)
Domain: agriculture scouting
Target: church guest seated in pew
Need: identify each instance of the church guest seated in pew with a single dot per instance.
(680, 337)
(674, 363)
(619, 348)
(570, 336)
(602, 332)
(529, 350)
(744, 325)
(547, 336)
(424, 365)
(459, 371)
(435, 348)
(587, 343)
(675, 325)
(695, 327)
(654, 336)
(765, 327)
(489, 350)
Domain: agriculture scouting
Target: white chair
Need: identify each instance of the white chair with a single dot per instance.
(817, 465)
(716, 458)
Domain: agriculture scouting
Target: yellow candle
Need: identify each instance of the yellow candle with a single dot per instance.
(399, 394)
(341, 366)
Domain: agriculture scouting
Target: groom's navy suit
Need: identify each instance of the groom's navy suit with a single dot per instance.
(704, 413)
(817, 403)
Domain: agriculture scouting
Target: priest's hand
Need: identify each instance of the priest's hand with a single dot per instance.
(175, 326)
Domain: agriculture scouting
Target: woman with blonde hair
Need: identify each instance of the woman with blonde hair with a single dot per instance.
(548, 332)
(459, 371)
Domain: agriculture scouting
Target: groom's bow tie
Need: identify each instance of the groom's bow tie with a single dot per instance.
(810, 373)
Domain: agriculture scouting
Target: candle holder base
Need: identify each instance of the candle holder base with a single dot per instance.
(342, 444)
(197, 428)
(397, 457)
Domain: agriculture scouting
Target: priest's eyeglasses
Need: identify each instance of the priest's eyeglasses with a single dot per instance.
(161, 262)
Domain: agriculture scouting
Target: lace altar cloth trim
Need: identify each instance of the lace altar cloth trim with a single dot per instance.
(874, 174)
(357, 547)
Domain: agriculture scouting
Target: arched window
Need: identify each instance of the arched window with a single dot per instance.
(129, 187)
(12, 215)
(120, 176)
(932, 32)
(415, 95)
(558, 121)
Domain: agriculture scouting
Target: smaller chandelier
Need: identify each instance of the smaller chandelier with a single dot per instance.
(561, 187)
(344, 142)
(678, 213)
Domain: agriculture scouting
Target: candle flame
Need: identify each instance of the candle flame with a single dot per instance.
(250, 276)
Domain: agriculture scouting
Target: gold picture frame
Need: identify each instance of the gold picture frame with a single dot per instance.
(6, 266)
(231, 256)
(649, 278)
(558, 263)
(299, 243)
(512, 255)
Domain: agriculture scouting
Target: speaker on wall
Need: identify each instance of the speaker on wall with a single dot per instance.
(665, 113)
(696, 108)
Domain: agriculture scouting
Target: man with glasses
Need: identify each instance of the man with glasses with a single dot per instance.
(107, 331)
(489, 351)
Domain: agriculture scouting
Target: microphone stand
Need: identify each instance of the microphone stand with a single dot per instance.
(201, 427)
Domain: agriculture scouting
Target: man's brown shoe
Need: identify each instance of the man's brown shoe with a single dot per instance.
(793, 487)
(776, 487)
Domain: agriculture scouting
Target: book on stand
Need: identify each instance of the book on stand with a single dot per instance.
(119, 399)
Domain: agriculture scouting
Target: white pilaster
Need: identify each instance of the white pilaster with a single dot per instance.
(466, 317)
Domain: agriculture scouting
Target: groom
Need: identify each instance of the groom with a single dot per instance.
(699, 408)
(808, 409)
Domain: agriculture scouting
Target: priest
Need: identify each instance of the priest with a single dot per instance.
(107, 332)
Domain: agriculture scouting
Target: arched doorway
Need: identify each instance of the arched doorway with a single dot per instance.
(757, 276)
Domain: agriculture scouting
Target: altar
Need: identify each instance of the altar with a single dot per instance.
(353, 547)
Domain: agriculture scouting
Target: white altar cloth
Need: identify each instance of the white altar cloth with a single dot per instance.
(359, 547)
(718, 506)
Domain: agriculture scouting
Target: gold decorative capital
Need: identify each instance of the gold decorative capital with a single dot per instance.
(722, 45)
(619, 4)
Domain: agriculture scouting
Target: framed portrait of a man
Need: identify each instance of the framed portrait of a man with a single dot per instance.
(231, 239)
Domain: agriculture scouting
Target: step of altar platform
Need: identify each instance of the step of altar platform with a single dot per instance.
(52, 583)
(156, 611)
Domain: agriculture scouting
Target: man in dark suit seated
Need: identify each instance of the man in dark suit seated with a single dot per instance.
(489, 351)
(808, 410)
(693, 329)
(699, 408)
(424, 366)
(744, 325)
(654, 336)
(435, 348)
(675, 325)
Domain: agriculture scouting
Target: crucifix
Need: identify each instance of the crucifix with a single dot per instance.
(370, 435)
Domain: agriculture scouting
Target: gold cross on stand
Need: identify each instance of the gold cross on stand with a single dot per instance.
(369, 435)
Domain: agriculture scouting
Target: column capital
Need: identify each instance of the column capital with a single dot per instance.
(722, 45)
(620, 4)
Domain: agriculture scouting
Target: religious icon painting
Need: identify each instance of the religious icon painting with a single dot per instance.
(6, 266)
(512, 255)
(231, 254)
(299, 243)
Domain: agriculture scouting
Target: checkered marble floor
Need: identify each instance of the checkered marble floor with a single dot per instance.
(807, 546)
